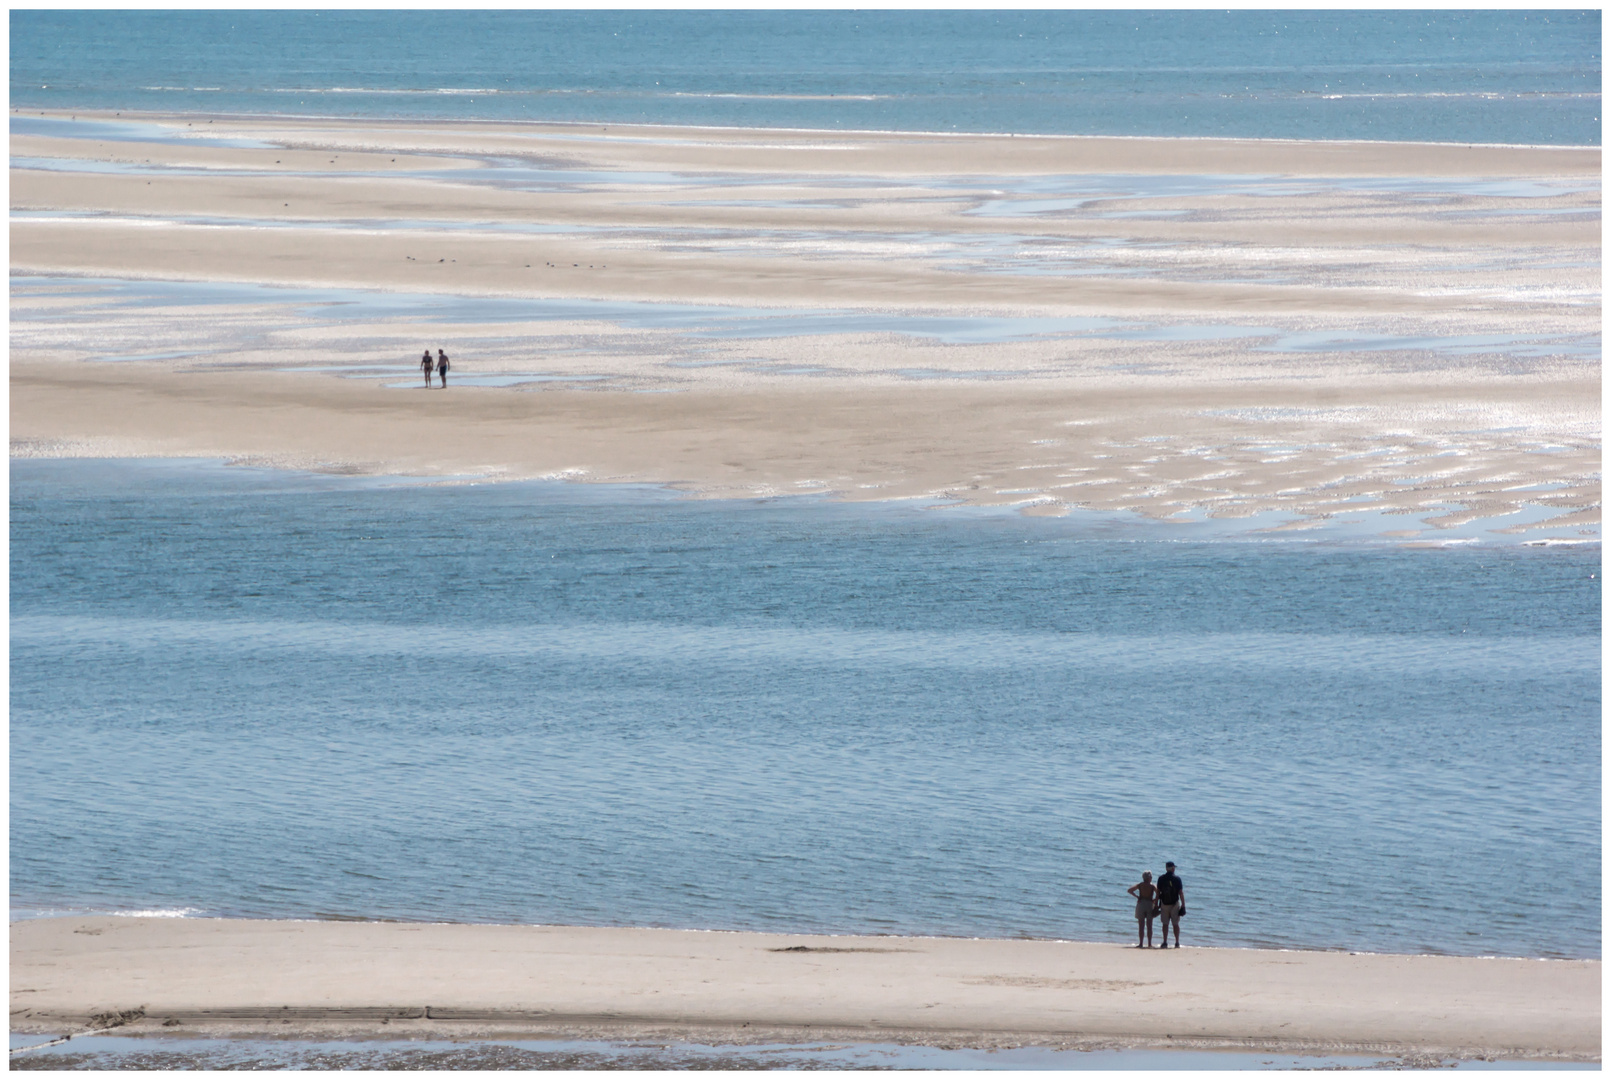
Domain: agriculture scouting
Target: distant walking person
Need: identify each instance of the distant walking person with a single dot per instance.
(1146, 894)
(1171, 904)
(442, 366)
(425, 366)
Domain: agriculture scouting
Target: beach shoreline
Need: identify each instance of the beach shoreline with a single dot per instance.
(1046, 449)
(426, 119)
(401, 980)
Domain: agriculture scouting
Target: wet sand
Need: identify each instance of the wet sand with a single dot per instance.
(1311, 328)
(1105, 448)
(400, 979)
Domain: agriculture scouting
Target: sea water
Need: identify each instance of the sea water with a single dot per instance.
(170, 1052)
(239, 692)
(1441, 76)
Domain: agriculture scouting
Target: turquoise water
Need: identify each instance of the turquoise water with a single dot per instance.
(246, 693)
(1450, 76)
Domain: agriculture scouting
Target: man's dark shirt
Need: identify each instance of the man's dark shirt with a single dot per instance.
(1169, 889)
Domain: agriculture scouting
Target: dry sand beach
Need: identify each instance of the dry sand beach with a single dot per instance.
(402, 980)
(1224, 327)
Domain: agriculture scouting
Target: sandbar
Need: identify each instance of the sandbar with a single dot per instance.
(242, 976)
(1245, 325)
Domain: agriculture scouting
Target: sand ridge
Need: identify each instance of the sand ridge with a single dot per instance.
(273, 976)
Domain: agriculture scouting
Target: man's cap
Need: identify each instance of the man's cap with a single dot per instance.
(1170, 865)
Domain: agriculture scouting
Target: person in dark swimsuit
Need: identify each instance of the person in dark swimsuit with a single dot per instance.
(1146, 894)
(442, 366)
(425, 366)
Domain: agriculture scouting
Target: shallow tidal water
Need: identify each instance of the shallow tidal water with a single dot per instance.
(326, 306)
(245, 693)
(157, 1052)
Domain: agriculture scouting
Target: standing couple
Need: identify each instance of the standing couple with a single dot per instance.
(441, 367)
(1166, 899)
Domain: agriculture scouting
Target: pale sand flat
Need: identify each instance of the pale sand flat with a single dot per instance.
(1156, 450)
(844, 221)
(245, 975)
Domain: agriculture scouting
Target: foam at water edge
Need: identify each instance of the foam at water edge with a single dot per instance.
(26, 913)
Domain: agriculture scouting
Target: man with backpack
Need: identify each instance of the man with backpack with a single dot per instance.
(1171, 903)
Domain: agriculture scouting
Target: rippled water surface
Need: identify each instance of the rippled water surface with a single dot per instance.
(149, 1053)
(1444, 76)
(249, 693)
